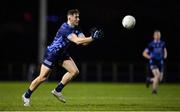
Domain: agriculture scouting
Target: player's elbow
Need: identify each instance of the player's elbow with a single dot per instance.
(144, 54)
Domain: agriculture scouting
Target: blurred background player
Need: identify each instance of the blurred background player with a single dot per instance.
(56, 55)
(156, 52)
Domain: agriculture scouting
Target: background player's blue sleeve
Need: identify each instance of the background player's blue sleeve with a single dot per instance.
(148, 48)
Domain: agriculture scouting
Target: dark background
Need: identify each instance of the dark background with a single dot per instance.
(19, 28)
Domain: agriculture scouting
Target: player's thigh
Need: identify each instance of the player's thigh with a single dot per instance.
(44, 71)
(156, 72)
(70, 65)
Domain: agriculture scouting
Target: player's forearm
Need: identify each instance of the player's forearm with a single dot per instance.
(146, 55)
(84, 40)
(84, 44)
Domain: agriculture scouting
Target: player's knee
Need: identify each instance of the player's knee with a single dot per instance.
(158, 78)
(75, 72)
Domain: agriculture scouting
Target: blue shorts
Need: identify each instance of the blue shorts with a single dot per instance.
(51, 59)
(157, 64)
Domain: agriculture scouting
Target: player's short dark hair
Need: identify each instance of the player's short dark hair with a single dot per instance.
(72, 12)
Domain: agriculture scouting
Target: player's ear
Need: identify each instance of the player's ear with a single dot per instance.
(68, 17)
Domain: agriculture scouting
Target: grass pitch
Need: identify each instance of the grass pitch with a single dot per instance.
(91, 97)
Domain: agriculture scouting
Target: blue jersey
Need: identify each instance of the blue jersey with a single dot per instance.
(61, 41)
(57, 50)
(156, 49)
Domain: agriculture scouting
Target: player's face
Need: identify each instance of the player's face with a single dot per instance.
(157, 35)
(74, 19)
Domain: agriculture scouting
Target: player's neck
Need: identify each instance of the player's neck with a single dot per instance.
(70, 24)
(156, 40)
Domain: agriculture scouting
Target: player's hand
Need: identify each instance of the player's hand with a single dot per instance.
(96, 33)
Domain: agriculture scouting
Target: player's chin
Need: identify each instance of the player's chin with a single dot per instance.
(77, 23)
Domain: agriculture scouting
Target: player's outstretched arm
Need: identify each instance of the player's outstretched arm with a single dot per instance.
(83, 40)
(83, 36)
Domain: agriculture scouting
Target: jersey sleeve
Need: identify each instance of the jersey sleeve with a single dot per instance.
(148, 48)
(68, 32)
(79, 32)
(64, 31)
(80, 35)
(76, 31)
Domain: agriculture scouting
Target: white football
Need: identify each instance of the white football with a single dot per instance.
(128, 22)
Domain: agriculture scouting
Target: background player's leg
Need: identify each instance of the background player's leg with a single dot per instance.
(156, 78)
